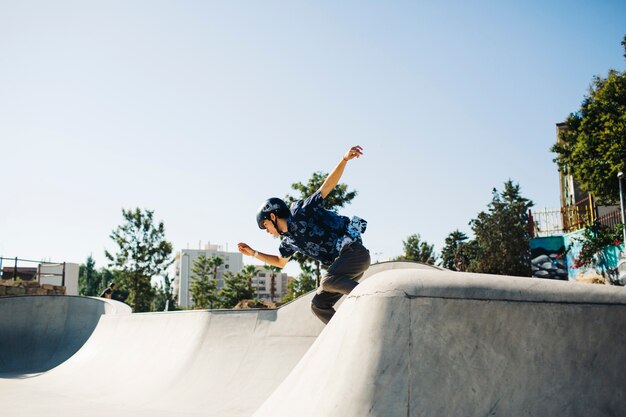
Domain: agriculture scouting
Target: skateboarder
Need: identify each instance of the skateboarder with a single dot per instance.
(307, 227)
(108, 292)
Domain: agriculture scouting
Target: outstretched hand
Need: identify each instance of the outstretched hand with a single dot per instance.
(333, 178)
(245, 249)
(354, 152)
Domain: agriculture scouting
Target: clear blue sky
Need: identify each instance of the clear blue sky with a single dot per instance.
(201, 110)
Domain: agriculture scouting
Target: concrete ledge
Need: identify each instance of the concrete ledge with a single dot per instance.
(438, 284)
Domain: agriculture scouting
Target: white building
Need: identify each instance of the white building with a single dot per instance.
(233, 262)
(65, 274)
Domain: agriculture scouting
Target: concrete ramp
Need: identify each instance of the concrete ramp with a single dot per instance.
(422, 343)
(411, 340)
(196, 363)
(38, 333)
(209, 363)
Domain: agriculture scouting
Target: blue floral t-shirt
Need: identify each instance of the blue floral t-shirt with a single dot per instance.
(316, 232)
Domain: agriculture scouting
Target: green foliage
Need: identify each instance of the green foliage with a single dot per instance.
(336, 199)
(237, 287)
(417, 250)
(502, 235)
(138, 290)
(249, 271)
(235, 290)
(89, 280)
(142, 253)
(302, 284)
(451, 254)
(593, 146)
(204, 281)
(466, 253)
(594, 240)
(215, 262)
(164, 299)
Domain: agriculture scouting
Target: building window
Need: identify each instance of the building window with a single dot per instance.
(226, 266)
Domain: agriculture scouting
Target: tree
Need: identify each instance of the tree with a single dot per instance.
(215, 262)
(89, 280)
(234, 290)
(417, 250)
(164, 300)
(450, 252)
(465, 254)
(302, 284)
(337, 198)
(272, 270)
(142, 254)
(503, 234)
(204, 282)
(592, 147)
(249, 271)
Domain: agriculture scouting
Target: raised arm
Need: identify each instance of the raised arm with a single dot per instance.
(273, 260)
(333, 178)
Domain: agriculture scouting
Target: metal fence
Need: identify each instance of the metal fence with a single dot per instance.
(611, 219)
(549, 222)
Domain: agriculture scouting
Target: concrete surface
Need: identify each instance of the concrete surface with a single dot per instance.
(422, 343)
(407, 342)
(40, 332)
(210, 363)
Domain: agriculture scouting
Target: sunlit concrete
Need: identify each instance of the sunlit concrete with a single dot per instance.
(424, 343)
(411, 340)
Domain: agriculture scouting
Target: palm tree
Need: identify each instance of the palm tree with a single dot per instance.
(249, 271)
(273, 270)
(215, 262)
(450, 255)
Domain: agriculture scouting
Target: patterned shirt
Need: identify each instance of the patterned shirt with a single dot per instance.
(316, 232)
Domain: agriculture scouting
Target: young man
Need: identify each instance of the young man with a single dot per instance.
(321, 234)
(108, 292)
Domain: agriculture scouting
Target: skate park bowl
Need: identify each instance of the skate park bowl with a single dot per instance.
(41, 332)
(410, 340)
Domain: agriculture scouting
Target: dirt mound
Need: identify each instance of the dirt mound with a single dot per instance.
(246, 304)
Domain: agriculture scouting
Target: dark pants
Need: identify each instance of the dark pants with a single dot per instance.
(341, 278)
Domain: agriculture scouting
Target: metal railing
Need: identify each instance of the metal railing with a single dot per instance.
(545, 222)
(14, 271)
(611, 219)
(550, 222)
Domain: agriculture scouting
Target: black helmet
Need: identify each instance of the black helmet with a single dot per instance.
(272, 205)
